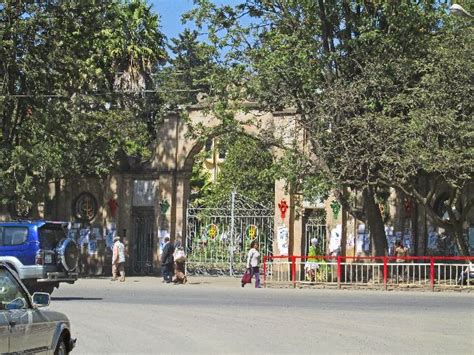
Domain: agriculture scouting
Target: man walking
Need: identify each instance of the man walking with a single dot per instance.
(118, 260)
(167, 260)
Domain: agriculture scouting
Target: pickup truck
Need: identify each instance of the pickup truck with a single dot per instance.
(40, 253)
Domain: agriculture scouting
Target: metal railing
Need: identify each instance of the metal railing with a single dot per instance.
(384, 272)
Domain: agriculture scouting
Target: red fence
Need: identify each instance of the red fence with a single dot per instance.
(387, 271)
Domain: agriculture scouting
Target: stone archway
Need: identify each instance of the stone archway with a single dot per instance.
(177, 147)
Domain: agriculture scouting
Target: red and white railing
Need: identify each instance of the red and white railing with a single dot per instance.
(386, 272)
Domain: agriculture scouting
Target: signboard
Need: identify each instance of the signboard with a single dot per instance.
(143, 193)
(251, 231)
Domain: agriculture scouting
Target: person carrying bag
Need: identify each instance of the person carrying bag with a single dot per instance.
(253, 261)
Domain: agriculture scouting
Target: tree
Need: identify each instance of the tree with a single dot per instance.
(190, 68)
(61, 114)
(247, 168)
(368, 81)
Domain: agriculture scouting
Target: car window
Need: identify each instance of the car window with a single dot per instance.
(12, 295)
(13, 235)
(50, 237)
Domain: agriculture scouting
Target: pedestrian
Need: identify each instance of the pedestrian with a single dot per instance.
(253, 261)
(167, 260)
(467, 274)
(179, 257)
(311, 264)
(118, 260)
(400, 252)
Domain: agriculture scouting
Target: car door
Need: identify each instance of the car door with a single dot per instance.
(29, 329)
(4, 332)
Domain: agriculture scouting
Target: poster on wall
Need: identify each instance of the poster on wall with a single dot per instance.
(432, 239)
(84, 236)
(96, 233)
(335, 240)
(92, 249)
(363, 240)
(110, 233)
(283, 239)
(407, 239)
(391, 239)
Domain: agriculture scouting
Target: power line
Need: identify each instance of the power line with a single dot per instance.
(97, 93)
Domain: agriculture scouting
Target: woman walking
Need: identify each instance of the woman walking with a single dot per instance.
(179, 261)
(253, 261)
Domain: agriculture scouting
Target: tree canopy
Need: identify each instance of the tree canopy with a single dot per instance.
(73, 75)
(383, 90)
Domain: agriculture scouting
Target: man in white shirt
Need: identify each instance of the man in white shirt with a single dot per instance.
(118, 259)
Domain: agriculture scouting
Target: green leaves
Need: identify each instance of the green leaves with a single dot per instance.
(71, 99)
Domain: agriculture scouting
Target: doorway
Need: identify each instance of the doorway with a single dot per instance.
(143, 232)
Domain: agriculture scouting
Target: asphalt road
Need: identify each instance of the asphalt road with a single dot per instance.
(217, 316)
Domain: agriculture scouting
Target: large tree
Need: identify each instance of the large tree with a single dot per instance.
(72, 74)
(383, 90)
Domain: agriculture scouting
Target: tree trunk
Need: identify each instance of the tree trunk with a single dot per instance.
(461, 242)
(375, 224)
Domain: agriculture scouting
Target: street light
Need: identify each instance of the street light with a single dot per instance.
(458, 10)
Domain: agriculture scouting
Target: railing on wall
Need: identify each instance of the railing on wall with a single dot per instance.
(383, 272)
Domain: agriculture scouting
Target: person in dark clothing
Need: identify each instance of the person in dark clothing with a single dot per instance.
(167, 260)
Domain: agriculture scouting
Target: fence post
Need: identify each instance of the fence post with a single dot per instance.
(432, 273)
(293, 270)
(385, 269)
(264, 271)
(339, 271)
(232, 207)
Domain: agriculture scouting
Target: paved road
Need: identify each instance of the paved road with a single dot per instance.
(216, 316)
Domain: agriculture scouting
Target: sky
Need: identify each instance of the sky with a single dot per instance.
(171, 11)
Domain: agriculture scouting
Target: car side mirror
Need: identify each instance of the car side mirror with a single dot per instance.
(41, 299)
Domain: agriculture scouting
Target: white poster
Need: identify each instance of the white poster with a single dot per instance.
(432, 239)
(110, 233)
(283, 236)
(84, 236)
(363, 240)
(335, 240)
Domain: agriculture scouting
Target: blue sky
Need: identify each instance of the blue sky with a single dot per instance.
(171, 11)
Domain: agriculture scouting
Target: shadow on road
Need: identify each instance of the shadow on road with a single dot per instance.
(76, 298)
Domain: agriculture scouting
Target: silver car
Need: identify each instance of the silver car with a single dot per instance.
(26, 328)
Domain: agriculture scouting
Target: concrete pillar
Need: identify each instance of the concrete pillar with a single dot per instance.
(182, 195)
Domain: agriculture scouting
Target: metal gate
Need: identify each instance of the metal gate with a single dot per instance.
(142, 237)
(315, 227)
(218, 239)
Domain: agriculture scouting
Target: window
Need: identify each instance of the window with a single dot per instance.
(11, 293)
(13, 235)
(50, 236)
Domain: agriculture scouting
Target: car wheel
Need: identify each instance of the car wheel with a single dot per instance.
(61, 348)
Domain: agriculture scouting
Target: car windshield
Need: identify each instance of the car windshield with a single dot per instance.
(50, 235)
(11, 294)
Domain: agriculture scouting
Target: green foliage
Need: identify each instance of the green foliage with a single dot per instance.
(66, 109)
(383, 90)
(190, 67)
(247, 168)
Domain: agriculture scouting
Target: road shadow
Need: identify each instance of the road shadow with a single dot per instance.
(76, 298)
